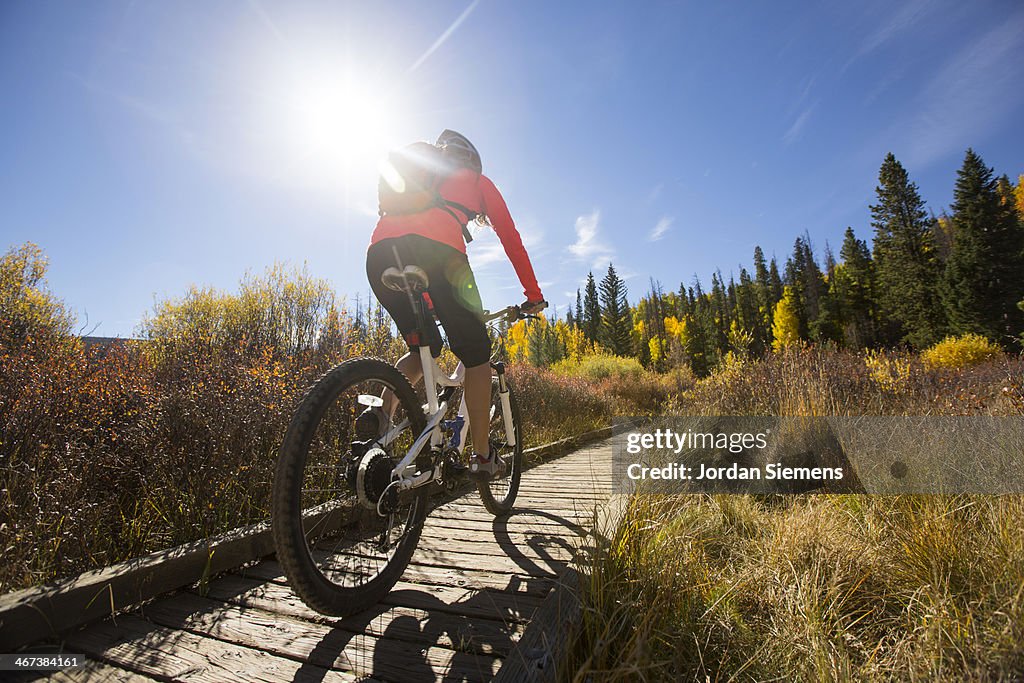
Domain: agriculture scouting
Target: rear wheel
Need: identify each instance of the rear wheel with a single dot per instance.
(499, 494)
(343, 533)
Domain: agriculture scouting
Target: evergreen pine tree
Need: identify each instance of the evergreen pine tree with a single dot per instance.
(545, 347)
(579, 308)
(828, 326)
(906, 263)
(591, 310)
(942, 229)
(854, 285)
(775, 283)
(616, 321)
(804, 277)
(700, 344)
(984, 277)
(1004, 188)
(763, 293)
(719, 311)
(747, 313)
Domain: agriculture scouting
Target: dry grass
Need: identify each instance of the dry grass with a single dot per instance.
(807, 588)
(815, 587)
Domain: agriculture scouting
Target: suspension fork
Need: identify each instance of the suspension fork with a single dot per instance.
(506, 402)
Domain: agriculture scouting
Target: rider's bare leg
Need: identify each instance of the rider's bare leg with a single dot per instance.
(478, 403)
(410, 366)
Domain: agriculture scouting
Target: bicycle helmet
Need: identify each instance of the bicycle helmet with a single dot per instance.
(459, 149)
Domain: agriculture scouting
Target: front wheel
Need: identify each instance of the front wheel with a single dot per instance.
(342, 532)
(499, 493)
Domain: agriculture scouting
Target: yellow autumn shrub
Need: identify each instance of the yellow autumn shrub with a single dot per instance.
(960, 352)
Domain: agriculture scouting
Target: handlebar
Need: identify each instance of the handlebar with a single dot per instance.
(511, 314)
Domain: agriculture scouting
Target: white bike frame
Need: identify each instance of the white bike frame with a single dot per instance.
(435, 410)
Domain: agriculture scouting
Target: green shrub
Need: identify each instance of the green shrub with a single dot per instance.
(960, 352)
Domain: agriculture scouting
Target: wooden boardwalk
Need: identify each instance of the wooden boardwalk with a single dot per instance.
(456, 614)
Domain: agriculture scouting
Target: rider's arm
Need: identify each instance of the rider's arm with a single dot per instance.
(495, 209)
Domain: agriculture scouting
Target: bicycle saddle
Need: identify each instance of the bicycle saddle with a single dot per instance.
(410, 277)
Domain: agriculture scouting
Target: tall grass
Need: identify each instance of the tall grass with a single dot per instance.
(815, 587)
(807, 588)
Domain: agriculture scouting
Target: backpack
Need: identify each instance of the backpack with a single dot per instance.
(410, 182)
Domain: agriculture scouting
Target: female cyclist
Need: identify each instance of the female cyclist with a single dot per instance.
(433, 239)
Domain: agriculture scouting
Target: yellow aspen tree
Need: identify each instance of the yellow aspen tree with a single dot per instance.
(517, 344)
(785, 322)
(1018, 194)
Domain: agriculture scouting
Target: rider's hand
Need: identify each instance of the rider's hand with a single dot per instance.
(532, 307)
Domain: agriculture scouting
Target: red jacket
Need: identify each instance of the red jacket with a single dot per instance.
(475, 192)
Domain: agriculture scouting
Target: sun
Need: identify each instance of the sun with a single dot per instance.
(338, 119)
(330, 131)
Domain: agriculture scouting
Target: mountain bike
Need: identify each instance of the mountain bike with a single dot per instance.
(348, 506)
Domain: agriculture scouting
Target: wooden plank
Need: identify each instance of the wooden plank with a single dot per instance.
(534, 550)
(322, 645)
(491, 536)
(575, 497)
(487, 636)
(524, 516)
(520, 563)
(585, 489)
(508, 524)
(136, 644)
(591, 488)
(509, 607)
(515, 603)
(429, 574)
(445, 559)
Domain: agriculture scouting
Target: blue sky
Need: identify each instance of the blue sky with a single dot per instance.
(150, 146)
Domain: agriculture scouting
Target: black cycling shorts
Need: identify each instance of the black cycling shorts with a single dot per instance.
(452, 290)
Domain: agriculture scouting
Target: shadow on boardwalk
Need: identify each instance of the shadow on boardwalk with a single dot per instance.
(458, 610)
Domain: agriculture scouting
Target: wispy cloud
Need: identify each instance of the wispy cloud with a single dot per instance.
(588, 246)
(485, 250)
(969, 95)
(906, 15)
(660, 228)
(793, 134)
(446, 35)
